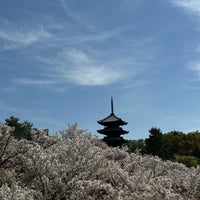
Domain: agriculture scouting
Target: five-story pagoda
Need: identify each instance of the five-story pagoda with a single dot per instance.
(112, 129)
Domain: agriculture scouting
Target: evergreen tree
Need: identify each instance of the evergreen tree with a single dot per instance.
(154, 142)
(22, 130)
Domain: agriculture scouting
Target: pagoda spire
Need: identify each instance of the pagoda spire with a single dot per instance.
(112, 107)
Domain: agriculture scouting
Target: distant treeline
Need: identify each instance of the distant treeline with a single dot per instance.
(174, 145)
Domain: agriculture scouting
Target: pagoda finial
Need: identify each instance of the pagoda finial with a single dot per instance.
(112, 107)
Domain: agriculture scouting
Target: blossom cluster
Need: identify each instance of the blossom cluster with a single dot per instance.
(76, 165)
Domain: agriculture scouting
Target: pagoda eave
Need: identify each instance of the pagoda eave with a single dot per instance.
(112, 133)
(117, 123)
(112, 118)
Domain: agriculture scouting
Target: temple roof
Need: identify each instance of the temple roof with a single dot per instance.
(115, 131)
(112, 119)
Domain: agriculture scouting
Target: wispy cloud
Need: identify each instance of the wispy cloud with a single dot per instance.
(77, 56)
(190, 6)
(22, 38)
(77, 38)
(69, 11)
(26, 81)
(84, 57)
(88, 66)
(98, 75)
(195, 66)
(78, 68)
(75, 16)
(91, 68)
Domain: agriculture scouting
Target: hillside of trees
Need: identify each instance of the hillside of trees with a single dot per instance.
(76, 165)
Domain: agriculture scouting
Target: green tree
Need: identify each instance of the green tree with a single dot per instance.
(154, 142)
(189, 161)
(194, 138)
(22, 130)
(167, 149)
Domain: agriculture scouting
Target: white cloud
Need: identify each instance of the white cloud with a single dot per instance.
(78, 57)
(195, 66)
(95, 36)
(23, 38)
(97, 75)
(78, 68)
(86, 75)
(191, 6)
(82, 58)
(87, 69)
(70, 12)
(26, 81)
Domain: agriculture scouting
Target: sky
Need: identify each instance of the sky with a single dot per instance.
(61, 61)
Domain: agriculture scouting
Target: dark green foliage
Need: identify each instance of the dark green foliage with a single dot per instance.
(189, 161)
(180, 144)
(22, 130)
(171, 145)
(168, 150)
(194, 142)
(154, 142)
(174, 146)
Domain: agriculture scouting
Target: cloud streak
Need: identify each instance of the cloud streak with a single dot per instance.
(195, 66)
(190, 6)
(76, 67)
(75, 16)
(26, 81)
(23, 38)
(91, 76)
(84, 57)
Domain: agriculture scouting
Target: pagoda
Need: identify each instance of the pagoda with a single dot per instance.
(112, 129)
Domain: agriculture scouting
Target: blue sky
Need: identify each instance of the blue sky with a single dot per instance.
(61, 61)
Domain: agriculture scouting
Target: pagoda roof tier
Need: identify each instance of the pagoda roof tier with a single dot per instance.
(112, 120)
(114, 131)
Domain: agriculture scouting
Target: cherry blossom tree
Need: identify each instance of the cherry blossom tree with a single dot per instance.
(76, 165)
